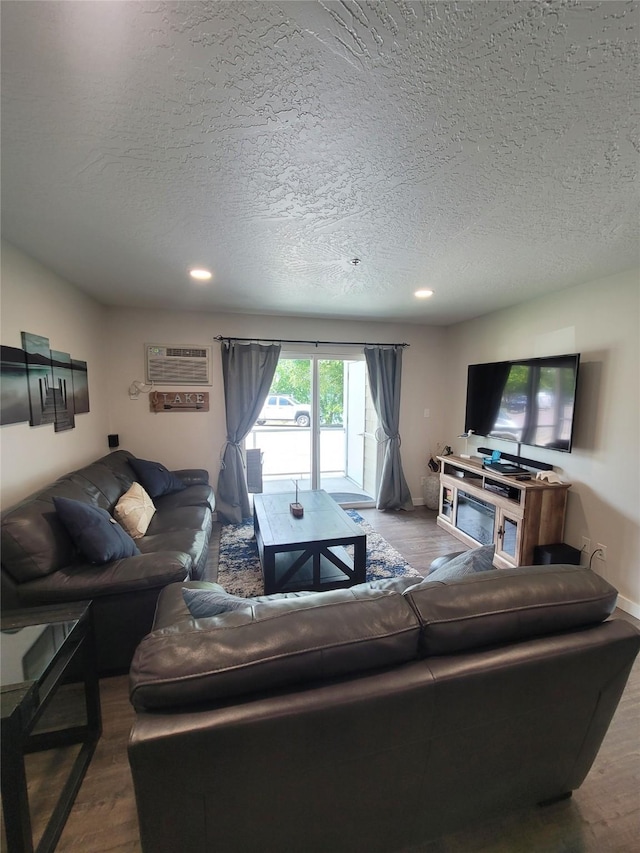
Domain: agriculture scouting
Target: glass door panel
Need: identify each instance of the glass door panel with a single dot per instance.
(283, 431)
(342, 402)
(315, 428)
(507, 541)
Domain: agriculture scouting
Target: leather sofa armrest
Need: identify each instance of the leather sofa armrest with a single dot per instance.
(193, 476)
(131, 574)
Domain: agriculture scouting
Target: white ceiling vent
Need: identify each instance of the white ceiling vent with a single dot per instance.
(178, 365)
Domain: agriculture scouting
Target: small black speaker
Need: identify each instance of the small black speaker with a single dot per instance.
(546, 555)
(114, 440)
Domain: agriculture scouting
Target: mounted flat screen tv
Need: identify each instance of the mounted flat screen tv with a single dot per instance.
(529, 401)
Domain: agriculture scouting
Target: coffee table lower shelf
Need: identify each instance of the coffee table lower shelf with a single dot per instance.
(324, 568)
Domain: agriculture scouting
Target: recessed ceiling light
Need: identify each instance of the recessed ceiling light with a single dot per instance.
(423, 294)
(200, 274)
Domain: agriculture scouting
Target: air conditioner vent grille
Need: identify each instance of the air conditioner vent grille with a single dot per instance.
(173, 365)
(183, 352)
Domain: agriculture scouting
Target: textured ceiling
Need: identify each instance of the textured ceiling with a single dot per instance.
(487, 150)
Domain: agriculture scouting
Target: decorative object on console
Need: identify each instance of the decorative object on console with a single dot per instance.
(549, 476)
(297, 510)
(466, 435)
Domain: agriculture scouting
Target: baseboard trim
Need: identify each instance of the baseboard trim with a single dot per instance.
(628, 606)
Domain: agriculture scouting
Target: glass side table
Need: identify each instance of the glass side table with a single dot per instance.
(42, 651)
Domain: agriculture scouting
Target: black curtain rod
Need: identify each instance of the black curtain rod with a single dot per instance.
(314, 343)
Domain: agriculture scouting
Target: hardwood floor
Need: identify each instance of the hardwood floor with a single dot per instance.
(602, 817)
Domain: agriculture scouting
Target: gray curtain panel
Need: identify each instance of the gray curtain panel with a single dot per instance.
(247, 372)
(385, 371)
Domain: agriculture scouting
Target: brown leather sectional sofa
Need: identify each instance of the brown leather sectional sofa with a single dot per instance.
(40, 564)
(374, 718)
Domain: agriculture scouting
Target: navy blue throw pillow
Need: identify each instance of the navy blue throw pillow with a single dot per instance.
(97, 536)
(155, 479)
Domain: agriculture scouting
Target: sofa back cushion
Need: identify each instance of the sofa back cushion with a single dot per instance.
(100, 485)
(508, 605)
(273, 643)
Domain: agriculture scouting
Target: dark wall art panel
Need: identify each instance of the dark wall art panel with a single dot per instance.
(40, 379)
(41, 385)
(80, 386)
(14, 391)
(62, 390)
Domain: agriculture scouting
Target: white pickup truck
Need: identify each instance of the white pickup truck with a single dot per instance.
(279, 407)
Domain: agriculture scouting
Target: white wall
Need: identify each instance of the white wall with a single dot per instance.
(195, 439)
(37, 301)
(600, 320)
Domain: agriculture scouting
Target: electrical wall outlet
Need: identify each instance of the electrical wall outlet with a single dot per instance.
(586, 544)
(601, 552)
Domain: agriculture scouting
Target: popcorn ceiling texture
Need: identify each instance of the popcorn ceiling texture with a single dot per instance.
(487, 150)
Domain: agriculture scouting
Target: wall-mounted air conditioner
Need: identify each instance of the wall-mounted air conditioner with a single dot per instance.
(178, 365)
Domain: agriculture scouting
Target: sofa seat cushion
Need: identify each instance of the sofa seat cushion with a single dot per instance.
(178, 519)
(198, 495)
(508, 605)
(191, 542)
(84, 580)
(271, 644)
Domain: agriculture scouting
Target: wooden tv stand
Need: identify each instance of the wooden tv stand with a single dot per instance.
(479, 507)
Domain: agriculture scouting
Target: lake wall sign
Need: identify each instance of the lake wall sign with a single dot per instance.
(179, 401)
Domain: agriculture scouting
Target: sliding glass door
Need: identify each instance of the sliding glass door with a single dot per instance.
(317, 428)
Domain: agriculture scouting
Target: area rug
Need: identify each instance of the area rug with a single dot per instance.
(239, 565)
